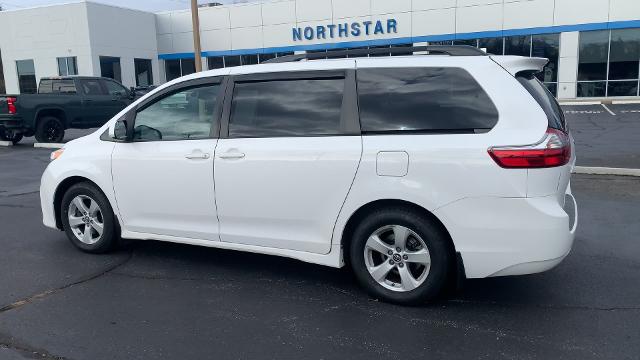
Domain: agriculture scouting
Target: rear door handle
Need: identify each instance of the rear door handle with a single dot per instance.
(232, 155)
(197, 154)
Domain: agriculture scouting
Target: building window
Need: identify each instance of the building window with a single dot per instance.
(469, 42)
(172, 69)
(110, 68)
(230, 61)
(624, 62)
(517, 45)
(249, 59)
(215, 62)
(444, 43)
(265, 57)
(609, 63)
(67, 66)
(493, 46)
(26, 76)
(144, 73)
(179, 67)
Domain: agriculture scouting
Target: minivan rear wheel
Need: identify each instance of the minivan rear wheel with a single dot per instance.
(87, 218)
(400, 256)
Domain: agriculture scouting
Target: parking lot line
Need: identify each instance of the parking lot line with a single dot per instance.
(48, 145)
(608, 110)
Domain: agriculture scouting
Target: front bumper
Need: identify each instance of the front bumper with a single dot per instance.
(511, 236)
(47, 193)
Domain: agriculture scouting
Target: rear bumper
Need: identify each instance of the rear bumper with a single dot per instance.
(511, 236)
(11, 122)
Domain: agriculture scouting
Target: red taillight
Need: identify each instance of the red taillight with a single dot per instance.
(553, 150)
(11, 104)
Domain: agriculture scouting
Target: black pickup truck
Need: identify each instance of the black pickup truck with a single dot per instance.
(78, 102)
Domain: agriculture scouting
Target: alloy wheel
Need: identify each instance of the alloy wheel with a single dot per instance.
(85, 219)
(397, 258)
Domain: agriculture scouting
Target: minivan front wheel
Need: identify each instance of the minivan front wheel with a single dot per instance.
(88, 219)
(400, 256)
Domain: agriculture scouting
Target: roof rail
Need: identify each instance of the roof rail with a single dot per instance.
(452, 50)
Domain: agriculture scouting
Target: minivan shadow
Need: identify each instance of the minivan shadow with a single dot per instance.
(180, 261)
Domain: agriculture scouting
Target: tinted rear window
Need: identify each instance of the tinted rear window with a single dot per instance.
(57, 87)
(423, 100)
(545, 99)
(287, 108)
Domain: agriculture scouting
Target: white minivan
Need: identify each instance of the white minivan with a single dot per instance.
(414, 170)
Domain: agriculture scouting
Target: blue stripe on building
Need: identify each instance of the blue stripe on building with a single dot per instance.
(414, 39)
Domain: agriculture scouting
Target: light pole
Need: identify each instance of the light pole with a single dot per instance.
(195, 20)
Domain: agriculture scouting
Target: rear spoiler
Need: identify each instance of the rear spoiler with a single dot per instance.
(518, 64)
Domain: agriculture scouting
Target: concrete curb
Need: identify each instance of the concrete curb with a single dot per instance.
(6, 143)
(606, 171)
(48, 145)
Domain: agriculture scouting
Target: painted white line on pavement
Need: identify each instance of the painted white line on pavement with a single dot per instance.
(608, 110)
(6, 143)
(605, 171)
(48, 145)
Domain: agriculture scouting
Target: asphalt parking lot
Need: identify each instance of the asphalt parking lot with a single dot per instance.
(606, 136)
(153, 300)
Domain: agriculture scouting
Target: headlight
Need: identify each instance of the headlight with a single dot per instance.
(56, 154)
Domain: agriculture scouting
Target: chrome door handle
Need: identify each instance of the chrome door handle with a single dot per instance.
(232, 155)
(197, 155)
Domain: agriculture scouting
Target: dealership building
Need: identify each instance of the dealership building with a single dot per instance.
(593, 45)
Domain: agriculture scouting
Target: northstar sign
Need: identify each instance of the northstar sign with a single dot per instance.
(344, 30)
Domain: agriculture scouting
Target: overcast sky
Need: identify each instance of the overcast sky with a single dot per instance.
(148, 5)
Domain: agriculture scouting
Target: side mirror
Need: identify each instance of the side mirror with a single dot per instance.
(132, 93)
(119, 130)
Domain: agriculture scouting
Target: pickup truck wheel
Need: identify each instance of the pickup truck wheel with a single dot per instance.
(49, 130)
(6, 135)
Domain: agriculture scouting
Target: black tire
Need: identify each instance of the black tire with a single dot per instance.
(109, 237)
(49, 130)
(10, 136)
(433, 237)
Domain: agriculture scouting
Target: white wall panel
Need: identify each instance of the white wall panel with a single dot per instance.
(351, 8)
(463, 3)
(246, 38)
(280, 12)
(245, 15)
(569, 44)
(386, 6)
(566, 90)
(528, 14)
(432, 4)
(568, 68)
(183, 42)
(181, 21)
(620, 10)
(434, 22)
(216, 17)
(479, 18)
(215, 40)
(165, 43)
(308, 10)
(581, 11)
(278, 35)
(163, 23)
